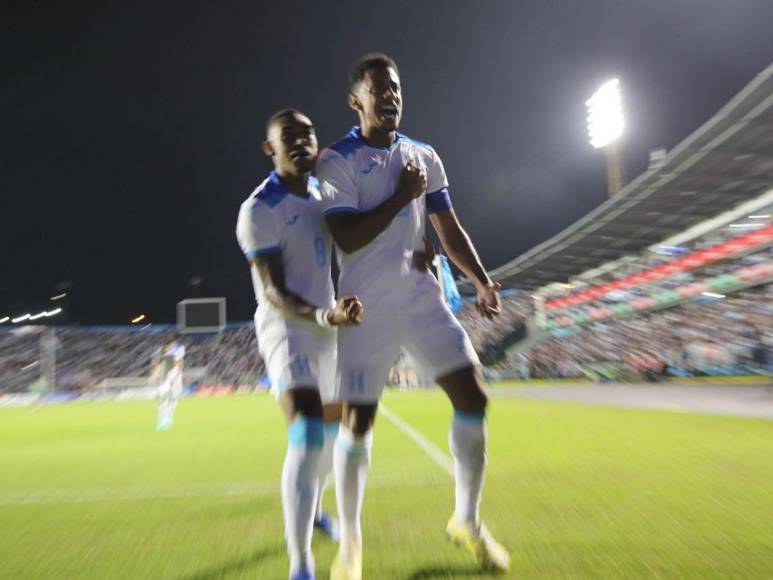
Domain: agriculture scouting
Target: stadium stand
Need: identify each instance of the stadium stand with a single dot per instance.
(707, 336)
(86, 356)
(726, 162)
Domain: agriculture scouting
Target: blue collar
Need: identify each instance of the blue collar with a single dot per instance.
(275, 191)
(356, 134)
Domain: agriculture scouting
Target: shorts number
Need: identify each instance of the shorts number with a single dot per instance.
(356, 382)
(300, 366)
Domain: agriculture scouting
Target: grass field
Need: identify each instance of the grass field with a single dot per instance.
(92, 491)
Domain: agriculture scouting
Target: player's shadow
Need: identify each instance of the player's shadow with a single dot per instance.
(234, 567)
(445, 572)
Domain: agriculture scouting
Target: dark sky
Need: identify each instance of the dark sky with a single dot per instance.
(130, 131)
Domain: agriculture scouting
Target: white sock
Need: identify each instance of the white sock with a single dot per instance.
(163, 411)
(467, 441)
(171, 407)
(351, 461)
(326, 463)
(299, 489)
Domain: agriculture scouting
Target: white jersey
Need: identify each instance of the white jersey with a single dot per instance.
(274, 219)
(355, 177)
(170, 358)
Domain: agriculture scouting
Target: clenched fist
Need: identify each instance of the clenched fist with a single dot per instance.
(413, 181)
(348, 310)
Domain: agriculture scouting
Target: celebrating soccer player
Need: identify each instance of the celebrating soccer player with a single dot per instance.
(282, 232)
(377, 185)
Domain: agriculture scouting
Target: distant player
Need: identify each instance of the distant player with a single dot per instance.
(377, 186)
(284, 236)
(168, 372)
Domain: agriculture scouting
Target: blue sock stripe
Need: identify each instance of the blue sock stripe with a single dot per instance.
(470, 418)
(306, 432)
(331, 430)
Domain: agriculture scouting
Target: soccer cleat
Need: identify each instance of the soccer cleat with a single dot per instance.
(302, 575)
(349, 568)
(489, 553)
(328, 526)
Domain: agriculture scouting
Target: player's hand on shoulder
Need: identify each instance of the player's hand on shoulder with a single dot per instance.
(488, 300)
(348, 310)
(413, 181)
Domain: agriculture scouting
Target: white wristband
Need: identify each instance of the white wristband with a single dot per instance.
(323, 317)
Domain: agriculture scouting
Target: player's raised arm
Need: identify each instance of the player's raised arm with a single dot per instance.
(270, 269)
(353, 229)
(460, 249)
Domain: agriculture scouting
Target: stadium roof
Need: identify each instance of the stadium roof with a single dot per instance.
(727, 161)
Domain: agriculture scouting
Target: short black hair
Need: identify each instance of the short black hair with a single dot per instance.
(281, 114)
(370, 61)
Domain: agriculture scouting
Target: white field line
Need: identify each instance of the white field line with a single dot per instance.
(435, 454)
(187, 490)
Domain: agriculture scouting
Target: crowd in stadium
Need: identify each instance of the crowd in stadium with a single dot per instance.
(704, 335)
(721, 252)
(731, 335)
(84, 357)
(19, 364)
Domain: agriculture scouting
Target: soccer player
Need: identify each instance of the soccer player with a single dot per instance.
(377, 185)
(168, 372)
(283, 234)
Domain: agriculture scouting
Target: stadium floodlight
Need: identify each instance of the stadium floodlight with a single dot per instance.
(53, 312)
(137, 319)
(38, 315)
(4, 319)
(759, 217)
(21, 318)
(605, 114)
(59, 296)
(605, 126)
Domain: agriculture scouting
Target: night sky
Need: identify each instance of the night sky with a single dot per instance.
(131, 131)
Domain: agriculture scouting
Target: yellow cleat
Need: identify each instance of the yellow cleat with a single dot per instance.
(347, 566)
(489, 553)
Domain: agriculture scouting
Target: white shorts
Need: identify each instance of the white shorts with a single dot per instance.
(296, 354)
(424, 327)
(171, 388)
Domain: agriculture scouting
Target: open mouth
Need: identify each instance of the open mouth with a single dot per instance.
(388, 113)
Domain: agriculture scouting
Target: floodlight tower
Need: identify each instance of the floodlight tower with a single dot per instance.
(605, 126)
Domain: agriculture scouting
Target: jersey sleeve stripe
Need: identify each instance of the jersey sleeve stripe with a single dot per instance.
(334, 210)
(261, 251)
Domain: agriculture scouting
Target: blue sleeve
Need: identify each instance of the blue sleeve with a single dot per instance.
(438, 200)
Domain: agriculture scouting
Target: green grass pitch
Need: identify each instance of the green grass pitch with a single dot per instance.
(90, 490)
